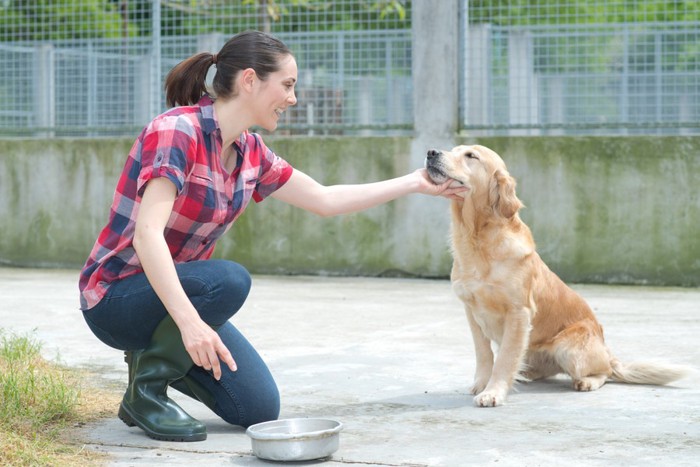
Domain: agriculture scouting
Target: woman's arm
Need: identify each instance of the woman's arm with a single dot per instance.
(202, 343)
(304, 192)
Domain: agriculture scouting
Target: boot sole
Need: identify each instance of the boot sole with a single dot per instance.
(130, 421)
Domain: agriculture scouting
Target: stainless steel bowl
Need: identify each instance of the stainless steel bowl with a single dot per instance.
(295, 439)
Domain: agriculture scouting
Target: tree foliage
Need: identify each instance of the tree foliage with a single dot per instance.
(550, 12)
(35, 20)
(42, 20)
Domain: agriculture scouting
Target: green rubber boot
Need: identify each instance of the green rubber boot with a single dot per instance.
(196, 391)
(190, 387)
(186, 385)
(146, 403)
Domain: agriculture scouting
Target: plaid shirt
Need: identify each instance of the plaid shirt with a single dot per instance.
(184, 145)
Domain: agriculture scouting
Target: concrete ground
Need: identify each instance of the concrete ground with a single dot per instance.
(392, 359)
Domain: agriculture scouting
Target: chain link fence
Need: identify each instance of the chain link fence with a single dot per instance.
(96, 67)
(581, 67)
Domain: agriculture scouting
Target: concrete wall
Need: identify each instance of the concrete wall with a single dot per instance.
(619, 210)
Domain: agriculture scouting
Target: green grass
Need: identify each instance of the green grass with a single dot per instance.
(40, 402)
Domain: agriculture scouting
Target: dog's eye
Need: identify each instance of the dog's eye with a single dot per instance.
(470, 155)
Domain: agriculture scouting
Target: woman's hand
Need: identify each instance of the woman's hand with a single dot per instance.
(428, 187)
(205, 347)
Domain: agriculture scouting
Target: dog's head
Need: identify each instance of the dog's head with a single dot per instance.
(481, 171)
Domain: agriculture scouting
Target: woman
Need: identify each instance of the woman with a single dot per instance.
(149, 287)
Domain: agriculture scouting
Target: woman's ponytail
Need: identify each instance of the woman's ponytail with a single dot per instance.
(186, 83)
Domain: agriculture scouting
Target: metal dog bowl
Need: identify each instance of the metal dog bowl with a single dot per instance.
(295, 439)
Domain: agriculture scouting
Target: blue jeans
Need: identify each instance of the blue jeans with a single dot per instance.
(130, 312)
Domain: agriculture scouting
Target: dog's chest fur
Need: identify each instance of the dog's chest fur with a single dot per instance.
(485, 274)
(484, 293)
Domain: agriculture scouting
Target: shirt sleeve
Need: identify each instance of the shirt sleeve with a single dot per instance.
(165, 147)
(275, 172)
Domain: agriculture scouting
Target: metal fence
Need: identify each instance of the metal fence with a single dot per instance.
(96, 67)
(620, 67)
(581, 67)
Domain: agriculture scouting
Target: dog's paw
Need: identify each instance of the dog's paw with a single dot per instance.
(490, 399)
(589, 383)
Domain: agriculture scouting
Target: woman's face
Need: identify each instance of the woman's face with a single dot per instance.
(276, 94)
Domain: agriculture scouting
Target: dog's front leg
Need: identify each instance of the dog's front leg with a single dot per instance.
(484, 355)
(509, 359)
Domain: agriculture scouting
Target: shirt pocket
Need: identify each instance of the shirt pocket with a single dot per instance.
(201, 200)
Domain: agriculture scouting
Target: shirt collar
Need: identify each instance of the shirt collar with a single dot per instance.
(209, 122)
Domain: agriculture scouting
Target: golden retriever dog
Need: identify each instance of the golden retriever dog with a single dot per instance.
(540, 325)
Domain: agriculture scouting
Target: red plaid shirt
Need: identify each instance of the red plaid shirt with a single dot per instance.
(184, 145)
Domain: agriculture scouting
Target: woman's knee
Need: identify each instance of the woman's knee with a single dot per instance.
(230, 284)
(264, 406)
(237, 280)
(266, 409)
(217, 288)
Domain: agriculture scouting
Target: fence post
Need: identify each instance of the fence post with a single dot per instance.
(45, 91)
(144, 102)
(93, 100)
(208, 43)
(522, 83)
(624, 82)
(435, 71)
(659, 80)
(478, 90)
(211, 43)
(364, 105)
(156, 51)
(555, 111)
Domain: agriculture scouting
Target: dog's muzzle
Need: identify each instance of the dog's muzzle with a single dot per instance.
(433, 165)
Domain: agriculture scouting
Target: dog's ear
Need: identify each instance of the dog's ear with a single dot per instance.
(502, 194)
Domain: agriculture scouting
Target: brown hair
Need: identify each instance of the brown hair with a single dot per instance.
(186, 82)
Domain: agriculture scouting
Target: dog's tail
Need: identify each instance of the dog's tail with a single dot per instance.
(647, 372)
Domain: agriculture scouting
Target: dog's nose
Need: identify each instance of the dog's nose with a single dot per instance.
(433, 153)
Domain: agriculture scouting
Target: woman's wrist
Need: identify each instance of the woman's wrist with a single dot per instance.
(420, 184)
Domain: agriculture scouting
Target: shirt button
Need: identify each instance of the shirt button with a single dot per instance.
(230, 203)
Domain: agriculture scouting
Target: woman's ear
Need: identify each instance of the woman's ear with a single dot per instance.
(502, 194)
(246, 79)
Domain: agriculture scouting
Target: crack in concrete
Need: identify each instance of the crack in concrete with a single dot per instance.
(240, 454)
(164, 448)
(344, 461)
